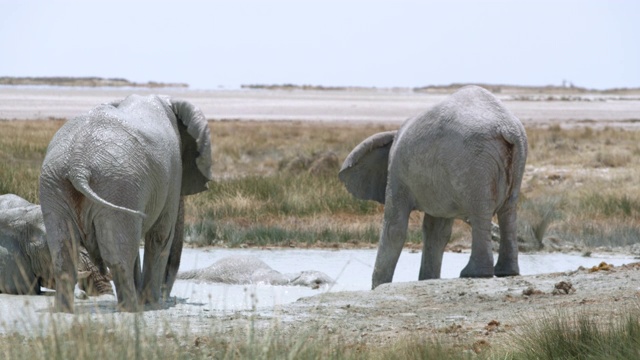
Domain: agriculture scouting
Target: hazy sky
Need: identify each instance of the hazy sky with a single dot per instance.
(209, 44)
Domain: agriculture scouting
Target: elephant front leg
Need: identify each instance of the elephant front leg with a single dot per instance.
(481, 260)
(175, 253)
(508, 253)
(436, 233)
(392, 238)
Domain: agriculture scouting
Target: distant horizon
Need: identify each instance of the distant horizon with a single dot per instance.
(563, 84)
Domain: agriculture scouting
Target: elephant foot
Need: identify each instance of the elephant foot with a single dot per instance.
(476, 272)
(503, 271)
(379, 279)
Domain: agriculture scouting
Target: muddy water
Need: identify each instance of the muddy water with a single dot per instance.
(352, 270)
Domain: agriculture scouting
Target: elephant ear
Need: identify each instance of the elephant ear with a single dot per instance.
(196, 146)
(364, 171)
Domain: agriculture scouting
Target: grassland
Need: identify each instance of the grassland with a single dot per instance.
(276, 185)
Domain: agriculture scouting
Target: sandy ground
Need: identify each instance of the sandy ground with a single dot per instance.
(484, 312)
(361, 105)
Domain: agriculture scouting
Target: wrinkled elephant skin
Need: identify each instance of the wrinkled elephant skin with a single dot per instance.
(116, 175)
(25, 260)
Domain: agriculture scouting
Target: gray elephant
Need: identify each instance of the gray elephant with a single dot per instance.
(246, 269)
(464, 158)
(25, 260)
(116, 175)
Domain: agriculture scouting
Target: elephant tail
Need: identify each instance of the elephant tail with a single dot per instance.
(81, 183)
(517, 148)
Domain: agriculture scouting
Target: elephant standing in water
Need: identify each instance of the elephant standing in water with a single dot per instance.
(25, 260)
(116, 175)
(464, 158)
(251, 270)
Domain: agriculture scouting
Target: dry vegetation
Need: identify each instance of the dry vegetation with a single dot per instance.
(276, 185)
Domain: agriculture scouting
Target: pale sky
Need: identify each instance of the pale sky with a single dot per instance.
(209, 44)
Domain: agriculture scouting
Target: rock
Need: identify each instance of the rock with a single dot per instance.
(563, 288)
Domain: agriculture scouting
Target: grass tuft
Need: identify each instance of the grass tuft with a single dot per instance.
(580, 337)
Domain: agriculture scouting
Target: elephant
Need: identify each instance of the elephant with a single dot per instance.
(463, 158)
(25, 260)
(116, 175)
(247, 269)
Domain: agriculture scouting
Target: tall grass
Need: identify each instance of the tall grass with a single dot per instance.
(22, 148)
(558, 335)
(579, 336)
(134, 338)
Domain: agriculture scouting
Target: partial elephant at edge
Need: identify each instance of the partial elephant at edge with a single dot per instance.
(25, 260)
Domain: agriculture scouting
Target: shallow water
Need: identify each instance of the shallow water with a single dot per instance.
(351, 269)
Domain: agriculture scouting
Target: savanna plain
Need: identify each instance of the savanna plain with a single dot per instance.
(276, 185)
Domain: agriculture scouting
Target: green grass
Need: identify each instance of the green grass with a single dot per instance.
(209, 232)
(610, 205)
(580, 337)
(281, 194)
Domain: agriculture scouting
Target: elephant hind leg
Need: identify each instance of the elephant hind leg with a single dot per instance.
(507, 264)
(481, 260)
(157, 247)
(118, 237)
(63, 246)
(436, 233)
(175, 253)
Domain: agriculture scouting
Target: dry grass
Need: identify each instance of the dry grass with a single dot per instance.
(580, 185)
(133, 339)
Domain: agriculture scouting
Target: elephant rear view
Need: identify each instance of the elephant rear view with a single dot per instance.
(114, 176)
(464, 158)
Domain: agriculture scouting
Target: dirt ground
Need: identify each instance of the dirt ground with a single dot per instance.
(467, 312)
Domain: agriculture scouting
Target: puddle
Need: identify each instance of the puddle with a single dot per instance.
(351, 269)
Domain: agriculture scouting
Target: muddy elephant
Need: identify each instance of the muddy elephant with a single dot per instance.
(117, 175)
(463, 158)
(248, 269)
(25, 260)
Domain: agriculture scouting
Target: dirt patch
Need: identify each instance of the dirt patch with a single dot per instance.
(476, 314)
(466, 312)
